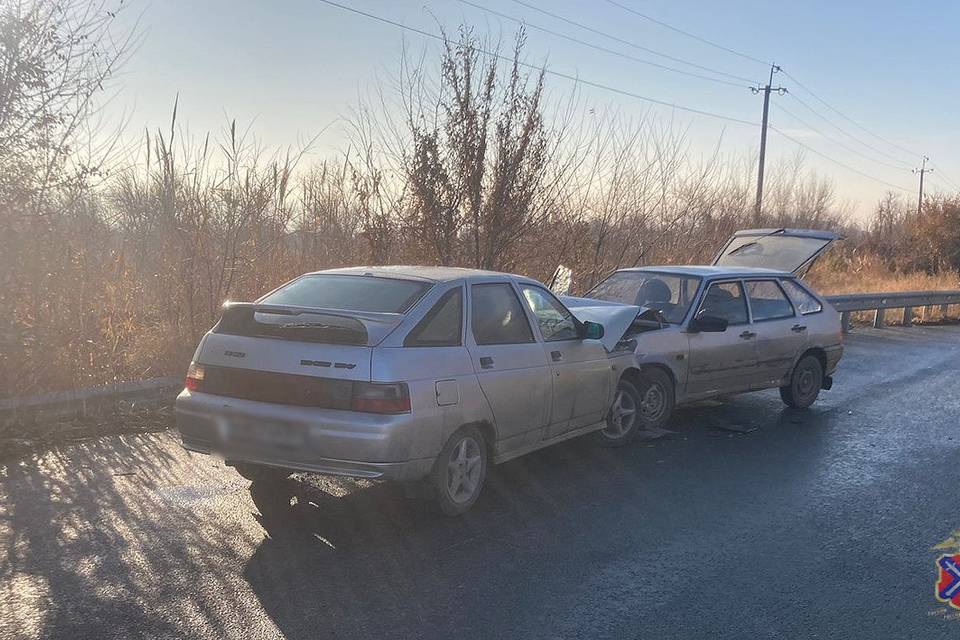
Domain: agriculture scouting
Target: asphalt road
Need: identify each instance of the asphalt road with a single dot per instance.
(753, 521)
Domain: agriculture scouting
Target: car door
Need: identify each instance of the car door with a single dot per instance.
(780, 336)
(510, 364)
(581, 369)
(725, 361)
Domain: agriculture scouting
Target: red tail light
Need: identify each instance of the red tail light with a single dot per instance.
(194, 377)
(373, 397)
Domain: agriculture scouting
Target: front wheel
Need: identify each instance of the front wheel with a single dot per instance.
(622, 419)
(459, 471)
(805, 383)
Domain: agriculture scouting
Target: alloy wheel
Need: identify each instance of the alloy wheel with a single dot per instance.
(464, 470)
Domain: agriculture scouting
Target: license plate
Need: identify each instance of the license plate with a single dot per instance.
(244, 432)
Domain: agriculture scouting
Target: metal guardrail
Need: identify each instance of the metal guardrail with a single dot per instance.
(880, 302)
(89, 401)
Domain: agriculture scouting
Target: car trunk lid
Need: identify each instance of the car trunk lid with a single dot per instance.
(790, 250)
(295, 341)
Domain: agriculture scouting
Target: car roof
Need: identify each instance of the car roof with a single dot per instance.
(427, 273)
(712, 272)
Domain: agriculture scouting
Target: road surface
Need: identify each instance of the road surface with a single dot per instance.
(753, 521)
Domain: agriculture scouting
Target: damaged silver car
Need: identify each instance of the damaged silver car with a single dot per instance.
(747, 322)
(405, 373)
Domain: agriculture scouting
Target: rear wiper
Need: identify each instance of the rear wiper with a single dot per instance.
(742, 247)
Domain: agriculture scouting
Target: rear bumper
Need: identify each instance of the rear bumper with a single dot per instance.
(833, 354)
(344, 443)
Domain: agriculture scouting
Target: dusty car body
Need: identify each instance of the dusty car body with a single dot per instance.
(745, 323)
(403, 373)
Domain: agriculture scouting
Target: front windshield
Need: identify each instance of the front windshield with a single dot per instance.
(670, 294)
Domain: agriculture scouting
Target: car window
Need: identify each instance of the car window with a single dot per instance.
(725, 300)
(669, 294)
(804, 301)
(556, 322)
(442, 325)
(768, 301)
(353, 293)
(496, 316)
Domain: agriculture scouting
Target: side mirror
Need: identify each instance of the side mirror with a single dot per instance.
(592, 330)
(707, 324)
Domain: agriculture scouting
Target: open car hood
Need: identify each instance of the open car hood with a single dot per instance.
(791, 250)
(616, 318)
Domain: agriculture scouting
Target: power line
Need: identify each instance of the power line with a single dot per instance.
(848, 119)
(837, 162)
(952, 183)
(598, 85)
(903, 165)
(837, 142)
(628, 42)
(687, 33)
(550, 72)
(600, 47)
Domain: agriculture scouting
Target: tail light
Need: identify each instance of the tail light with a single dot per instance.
(194, 377)
(373, 397)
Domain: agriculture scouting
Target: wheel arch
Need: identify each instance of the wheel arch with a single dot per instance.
(816, 352)
(633, 372)
(486, 429)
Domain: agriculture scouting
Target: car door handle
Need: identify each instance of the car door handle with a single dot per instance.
(797, 328)
(486, 362)
(556, 355)
(747, 335)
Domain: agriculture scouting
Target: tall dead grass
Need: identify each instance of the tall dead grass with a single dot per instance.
(118, 279)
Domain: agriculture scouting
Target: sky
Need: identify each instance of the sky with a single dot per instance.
(295, 69)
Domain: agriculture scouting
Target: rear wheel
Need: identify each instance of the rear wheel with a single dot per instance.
(261, 473)
(459, 471)
(805, 383)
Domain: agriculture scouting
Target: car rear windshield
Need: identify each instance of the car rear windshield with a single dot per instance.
(669, 294)
(779, 252)
(351, 293)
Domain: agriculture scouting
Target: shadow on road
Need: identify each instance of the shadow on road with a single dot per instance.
(95, 535)
(357, 560)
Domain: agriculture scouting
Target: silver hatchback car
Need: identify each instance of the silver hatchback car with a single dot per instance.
(405, 373)
(745, 323)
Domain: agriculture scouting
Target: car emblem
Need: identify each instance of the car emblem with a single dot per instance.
(235, 354)
(328, 364)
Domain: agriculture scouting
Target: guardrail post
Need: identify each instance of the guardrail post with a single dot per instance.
(878, 319)
(845, 322)
(907, 316)
(944, 308)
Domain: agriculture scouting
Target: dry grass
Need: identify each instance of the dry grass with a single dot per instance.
(837, 273)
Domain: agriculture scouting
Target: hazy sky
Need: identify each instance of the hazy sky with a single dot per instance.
(294, 66)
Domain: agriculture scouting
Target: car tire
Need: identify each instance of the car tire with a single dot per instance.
(260, 473)
(649, 398)
(459, 471)
(806, 379)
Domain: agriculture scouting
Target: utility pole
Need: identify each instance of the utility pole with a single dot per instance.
(922, 170)
(763, 133)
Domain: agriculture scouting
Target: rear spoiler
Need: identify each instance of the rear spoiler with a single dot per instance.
(306, 324)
